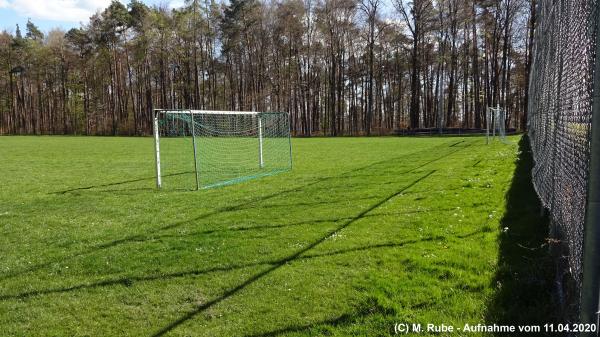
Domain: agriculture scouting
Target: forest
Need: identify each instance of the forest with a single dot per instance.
(338, 67)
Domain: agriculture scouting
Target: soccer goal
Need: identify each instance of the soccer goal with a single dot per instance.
(495, 124)
(202, 149)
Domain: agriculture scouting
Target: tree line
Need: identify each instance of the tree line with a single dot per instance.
(339, 67)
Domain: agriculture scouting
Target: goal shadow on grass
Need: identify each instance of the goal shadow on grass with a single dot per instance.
(524, 276)
(118, 183)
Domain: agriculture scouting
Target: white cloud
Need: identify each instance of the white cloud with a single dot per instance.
(56, 10)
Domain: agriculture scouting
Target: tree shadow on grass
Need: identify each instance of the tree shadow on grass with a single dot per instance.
(272, 265)
(453, 144)
(345, 319)
(150, 234)
(130, 280)
(368, 309)
(282, 262)
(323, 327)
(308, 187)
(525, 272)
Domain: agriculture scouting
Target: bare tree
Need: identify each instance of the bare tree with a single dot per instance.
(416, 15)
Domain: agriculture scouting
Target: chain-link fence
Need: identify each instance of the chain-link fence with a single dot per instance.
(560, 118)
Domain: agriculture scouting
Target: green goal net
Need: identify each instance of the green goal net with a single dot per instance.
(202, 149)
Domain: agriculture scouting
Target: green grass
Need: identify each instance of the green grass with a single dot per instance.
(361, 234)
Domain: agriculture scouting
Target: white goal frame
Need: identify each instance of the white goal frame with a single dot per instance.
(156, 112)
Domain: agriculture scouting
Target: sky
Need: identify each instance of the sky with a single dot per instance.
(64, 14)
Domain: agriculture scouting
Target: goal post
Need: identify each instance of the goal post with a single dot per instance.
(156, 148)
(495, 124)
(260, 143)
(204, 148)
(195, 150)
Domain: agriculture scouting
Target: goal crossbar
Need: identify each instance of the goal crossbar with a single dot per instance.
(211, 112)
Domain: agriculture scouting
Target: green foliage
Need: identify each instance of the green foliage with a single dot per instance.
(18, 34)
(18, 40)
(33, 32)
(138, 13)
(237, 18)
(79, 40)
(115, 19)
(362, 234)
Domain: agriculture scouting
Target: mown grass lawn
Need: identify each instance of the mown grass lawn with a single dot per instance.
(361, 234)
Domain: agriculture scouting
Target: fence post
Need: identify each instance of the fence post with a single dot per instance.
(590, 293)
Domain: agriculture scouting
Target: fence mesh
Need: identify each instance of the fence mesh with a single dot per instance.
(560, 112)
(229, 147)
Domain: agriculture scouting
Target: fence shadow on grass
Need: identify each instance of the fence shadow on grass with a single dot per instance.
(524, 276)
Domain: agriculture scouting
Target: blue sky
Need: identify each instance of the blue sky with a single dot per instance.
(65, 14)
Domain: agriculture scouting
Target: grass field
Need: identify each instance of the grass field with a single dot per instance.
(361, 234)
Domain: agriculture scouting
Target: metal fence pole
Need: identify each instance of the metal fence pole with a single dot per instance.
(590, 293)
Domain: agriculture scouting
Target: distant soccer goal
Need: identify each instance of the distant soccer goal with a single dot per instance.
(202, 149)
(495, 124)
